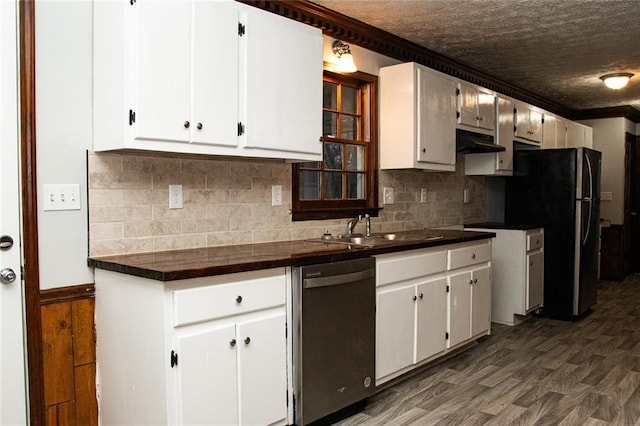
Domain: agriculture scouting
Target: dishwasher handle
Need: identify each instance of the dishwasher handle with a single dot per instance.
(339, 279)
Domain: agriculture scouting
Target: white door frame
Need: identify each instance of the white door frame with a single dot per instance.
(13, 394)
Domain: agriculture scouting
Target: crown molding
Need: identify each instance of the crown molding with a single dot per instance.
(626, 111)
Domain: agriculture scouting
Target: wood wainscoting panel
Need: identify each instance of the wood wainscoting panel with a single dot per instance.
(86, 403)
(57, 348)
(84, 338)
(69, 356)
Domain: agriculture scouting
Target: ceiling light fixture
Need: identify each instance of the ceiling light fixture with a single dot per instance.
(345, 58)
(616, 80)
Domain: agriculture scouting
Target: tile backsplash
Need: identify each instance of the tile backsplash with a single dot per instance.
(228, 201)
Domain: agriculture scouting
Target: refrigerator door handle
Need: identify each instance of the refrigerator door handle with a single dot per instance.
(586, 234)
(590, 175)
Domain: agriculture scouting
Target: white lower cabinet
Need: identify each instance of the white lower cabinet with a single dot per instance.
(192, 352)
(518, 273)
(411, 324)
(469, 305)
(426, 304)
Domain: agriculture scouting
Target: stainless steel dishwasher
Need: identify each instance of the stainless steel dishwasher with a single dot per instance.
(333, 337)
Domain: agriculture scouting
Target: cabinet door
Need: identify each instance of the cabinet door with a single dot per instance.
(561, 133)
(467, 105)
(504, 137)
(262, 370)
(535, 125)
(214, 119)
(283, 93)
(535, 280)
(486, 110)
(459, 315)
(207, 384)
(395, 312)
(481, 300)
(431, 318)
(436, 133)
(549, 132)
(163, 83)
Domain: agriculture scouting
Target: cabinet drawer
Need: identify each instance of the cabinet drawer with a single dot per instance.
(401, 267)
(534, 241)
(222, 300)
(470, 255)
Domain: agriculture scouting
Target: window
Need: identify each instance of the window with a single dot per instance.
(345, 182)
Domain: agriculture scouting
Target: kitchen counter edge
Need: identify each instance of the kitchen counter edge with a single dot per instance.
(219, 260)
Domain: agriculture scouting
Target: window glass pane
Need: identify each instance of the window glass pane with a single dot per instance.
(349, 100)
(355, 158)
(349, 127)
(332, 185)
(330, 123)
(355, 186)
(310, 165)
(309, 185)
(330, 95)
(333, 155)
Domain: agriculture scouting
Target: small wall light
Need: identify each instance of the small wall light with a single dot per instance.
(345, 58)
(616, 80)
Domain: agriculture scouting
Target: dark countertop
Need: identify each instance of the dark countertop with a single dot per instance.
(203, 262)
(499, 225)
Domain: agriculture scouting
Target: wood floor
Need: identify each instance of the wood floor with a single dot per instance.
(541, 372)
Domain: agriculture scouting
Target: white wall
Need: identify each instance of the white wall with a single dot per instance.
(608, 137)
(63, 134)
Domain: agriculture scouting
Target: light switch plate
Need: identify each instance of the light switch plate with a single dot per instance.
(276, 195)
(388, 195)
(61, 197)
(606, 196)
(175, 196)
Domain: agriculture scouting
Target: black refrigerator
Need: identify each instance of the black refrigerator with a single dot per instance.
(560, 190)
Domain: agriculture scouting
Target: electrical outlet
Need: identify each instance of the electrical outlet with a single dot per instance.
(175, 196)
(423, 195)
(388, 195)
(276, 195)
(61, 197)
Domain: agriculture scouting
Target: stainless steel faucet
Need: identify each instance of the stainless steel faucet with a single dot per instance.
(352, 224)
(368, 224)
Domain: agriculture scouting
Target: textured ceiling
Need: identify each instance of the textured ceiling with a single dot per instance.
(557, 49)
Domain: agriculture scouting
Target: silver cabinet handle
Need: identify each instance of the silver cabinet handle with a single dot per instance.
(421, 295)
(414, 298)
(475, 280)
(471, 282)
(247, 340)
(239, 299)
(186, 124)
(473, 255)
(199, 126)
(6, 242)
(232, 343)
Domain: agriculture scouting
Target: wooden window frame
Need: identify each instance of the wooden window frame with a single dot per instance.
(338, 209)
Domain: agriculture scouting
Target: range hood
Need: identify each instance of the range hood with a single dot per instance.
(473, 143)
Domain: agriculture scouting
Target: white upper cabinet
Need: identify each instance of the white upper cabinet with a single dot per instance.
(528, 123)
(496, 163)
(206, 77)
(476, 107)
(579, 135)
(283, 77)
(182, 93)
(554, 132)
(417, 118)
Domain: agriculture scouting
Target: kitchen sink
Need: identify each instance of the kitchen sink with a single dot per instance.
(377, 239)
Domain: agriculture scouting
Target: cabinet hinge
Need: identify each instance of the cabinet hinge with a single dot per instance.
(447, 289)
(241, 29)
(457, 92)
(240, 129)
(446, 335)
(457, 114)
(174, 359)
(132, 117)
(132, 2)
